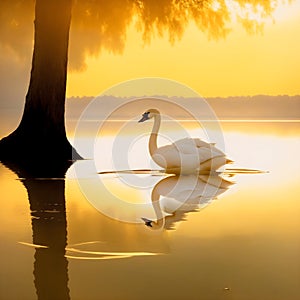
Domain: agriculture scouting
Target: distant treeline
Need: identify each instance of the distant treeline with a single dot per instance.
(244, 107)
(257, 107)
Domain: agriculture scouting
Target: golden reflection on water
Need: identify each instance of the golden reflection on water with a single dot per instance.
(33, 245)
(247, 241)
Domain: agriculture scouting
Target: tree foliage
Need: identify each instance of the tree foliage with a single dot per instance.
(101, 24)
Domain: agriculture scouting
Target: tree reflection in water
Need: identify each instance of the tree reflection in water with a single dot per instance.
(45, 186)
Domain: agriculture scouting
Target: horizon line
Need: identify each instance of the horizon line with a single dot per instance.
(209, 97)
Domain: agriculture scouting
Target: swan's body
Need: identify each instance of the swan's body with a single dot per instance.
(184, 156)
(173, 197)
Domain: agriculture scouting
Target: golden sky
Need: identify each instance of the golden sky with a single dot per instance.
(112, 42)
(266, 62)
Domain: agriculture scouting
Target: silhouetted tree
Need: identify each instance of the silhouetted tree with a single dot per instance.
(41, 133)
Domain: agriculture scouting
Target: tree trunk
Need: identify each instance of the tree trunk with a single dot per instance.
(41, 134)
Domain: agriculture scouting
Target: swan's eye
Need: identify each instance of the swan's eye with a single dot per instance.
(148, 112)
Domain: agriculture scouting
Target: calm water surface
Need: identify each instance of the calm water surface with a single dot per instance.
(55, 244)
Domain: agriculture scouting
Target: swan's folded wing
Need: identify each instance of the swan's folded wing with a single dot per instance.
(187, 143)
(184, 153)
(191, 146)
(186, 146)
(167, 156)
(199, 143)
(211, 146)
(205, 154)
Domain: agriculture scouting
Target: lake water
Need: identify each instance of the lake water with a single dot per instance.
(83, 237)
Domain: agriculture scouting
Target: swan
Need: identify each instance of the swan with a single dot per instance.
(183, 194)
(185, 156)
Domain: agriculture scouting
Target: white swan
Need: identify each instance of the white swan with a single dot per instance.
(185, 156)
(181, 195)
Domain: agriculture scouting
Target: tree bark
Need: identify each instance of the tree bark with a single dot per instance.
(41, 133)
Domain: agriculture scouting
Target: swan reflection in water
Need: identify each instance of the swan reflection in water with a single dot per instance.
(175, 196)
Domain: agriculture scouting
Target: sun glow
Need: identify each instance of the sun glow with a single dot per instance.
(248, 11)
(244, 63)
(215, 5)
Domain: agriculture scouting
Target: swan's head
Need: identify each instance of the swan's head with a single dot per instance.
(150, 113)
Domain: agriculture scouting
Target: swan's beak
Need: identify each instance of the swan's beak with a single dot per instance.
(144, 118)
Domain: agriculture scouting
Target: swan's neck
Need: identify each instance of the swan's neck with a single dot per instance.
(159, 224)
(154, 133)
